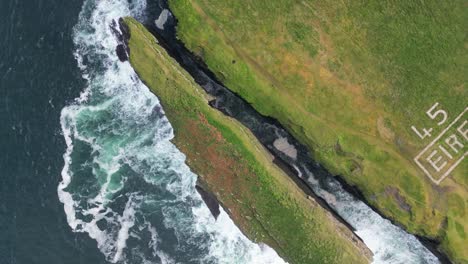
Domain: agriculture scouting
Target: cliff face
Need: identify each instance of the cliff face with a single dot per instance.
(261, 199)
(358, 83)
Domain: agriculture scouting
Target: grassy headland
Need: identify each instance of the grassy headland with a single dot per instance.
(349, 79)
(260, 198)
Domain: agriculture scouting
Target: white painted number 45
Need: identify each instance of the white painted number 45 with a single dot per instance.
(434, 114)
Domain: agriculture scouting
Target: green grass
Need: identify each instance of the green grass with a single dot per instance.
(261, 199)
(329, 71)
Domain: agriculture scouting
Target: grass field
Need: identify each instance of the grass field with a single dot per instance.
(261, 199)
(349, 79)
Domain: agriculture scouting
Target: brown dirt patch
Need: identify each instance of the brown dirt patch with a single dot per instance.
(398, 198)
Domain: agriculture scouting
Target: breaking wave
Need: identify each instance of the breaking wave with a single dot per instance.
(389, 243)
(124, 183)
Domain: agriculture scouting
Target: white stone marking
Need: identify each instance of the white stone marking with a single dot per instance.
(416, 159)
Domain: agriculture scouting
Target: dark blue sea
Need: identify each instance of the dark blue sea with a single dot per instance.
(38, 77)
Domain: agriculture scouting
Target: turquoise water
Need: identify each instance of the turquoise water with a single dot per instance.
(124, 183)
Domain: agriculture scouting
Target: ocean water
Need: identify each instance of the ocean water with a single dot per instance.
(38, 77)
(88, 172)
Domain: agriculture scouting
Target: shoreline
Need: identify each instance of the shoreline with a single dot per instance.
(284, 166)
(266, 204)
(428, 242)
(178, 51)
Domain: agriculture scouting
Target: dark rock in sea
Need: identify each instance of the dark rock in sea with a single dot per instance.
(122, 34)
(125, 32)
(210, 201)
(121, 53)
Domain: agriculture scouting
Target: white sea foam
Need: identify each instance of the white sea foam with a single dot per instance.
(389, 243)
(127, 221)
(233, 243)
(122, 175)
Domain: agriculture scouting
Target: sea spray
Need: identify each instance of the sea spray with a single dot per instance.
(124, 183)
(389, 243)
